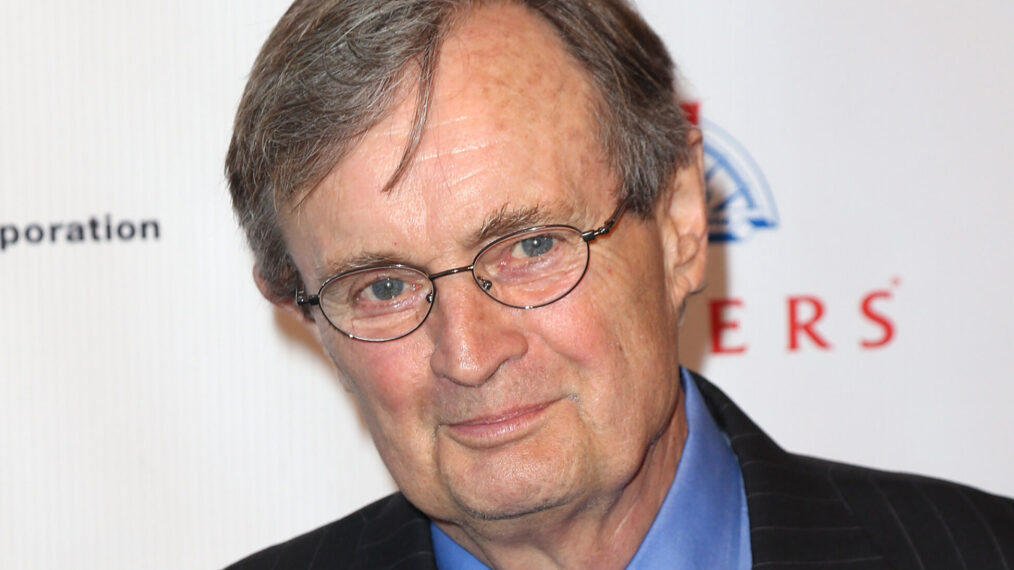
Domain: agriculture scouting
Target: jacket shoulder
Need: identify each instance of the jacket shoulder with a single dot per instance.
(389, 533)
(925, 521)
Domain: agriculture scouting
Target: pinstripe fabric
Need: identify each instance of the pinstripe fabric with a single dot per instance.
(804, 513)
(390, 534)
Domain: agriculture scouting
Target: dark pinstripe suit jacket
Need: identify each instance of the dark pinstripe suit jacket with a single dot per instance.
(804, 513)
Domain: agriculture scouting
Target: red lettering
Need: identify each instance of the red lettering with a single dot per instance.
(718, 324)
(866, 307)
(796, 327)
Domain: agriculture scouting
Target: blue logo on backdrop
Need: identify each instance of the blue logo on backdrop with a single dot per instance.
(739, 199)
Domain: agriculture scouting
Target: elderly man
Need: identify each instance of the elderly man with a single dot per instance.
(491, 214)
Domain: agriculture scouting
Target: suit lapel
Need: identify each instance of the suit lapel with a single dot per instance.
(798, 517)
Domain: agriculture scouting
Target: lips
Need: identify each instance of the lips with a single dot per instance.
(500, 428)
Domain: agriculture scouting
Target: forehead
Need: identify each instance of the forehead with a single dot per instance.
(509, 127)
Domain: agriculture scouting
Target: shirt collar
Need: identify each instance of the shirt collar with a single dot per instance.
(703, 520)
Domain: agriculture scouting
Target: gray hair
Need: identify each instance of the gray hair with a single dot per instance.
(331, 69)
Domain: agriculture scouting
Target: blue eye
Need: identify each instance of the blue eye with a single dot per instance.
(536, 246)
(387, 289)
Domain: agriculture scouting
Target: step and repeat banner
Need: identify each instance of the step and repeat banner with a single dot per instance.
(156, 412)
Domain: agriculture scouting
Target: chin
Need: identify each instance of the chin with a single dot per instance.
(506, 490)
(503, 512)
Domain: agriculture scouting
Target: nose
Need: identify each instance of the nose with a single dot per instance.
(473, 335)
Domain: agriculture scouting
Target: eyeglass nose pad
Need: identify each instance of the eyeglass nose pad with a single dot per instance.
(429, 297)
(484, 284)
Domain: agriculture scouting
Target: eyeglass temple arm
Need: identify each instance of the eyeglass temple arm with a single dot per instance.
(607, 226)
(302, 299)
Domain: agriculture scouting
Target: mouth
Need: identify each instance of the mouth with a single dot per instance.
(498, 429)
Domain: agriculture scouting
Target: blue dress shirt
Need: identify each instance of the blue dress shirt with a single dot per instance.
(703, 522)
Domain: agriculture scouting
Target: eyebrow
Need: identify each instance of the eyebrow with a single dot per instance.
(361, 261)
(507, 220)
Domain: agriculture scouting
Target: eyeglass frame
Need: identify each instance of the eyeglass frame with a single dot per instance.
(588, 236)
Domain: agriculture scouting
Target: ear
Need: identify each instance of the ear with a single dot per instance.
(286, 304)
(681, 216)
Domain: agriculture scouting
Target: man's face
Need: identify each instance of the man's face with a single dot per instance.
(488, 411)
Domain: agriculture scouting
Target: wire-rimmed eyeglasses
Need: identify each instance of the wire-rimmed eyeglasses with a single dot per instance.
(525, 269)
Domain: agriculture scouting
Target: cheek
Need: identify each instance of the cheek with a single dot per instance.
(392, 387)
(388, 380)
(613, 315)
(579, 335)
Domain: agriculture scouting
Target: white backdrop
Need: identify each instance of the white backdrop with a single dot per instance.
(156, 413)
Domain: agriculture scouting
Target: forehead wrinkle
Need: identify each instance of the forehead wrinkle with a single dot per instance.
(451, 174)
(437, 152)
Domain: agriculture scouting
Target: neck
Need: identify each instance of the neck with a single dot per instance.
(601, 532)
